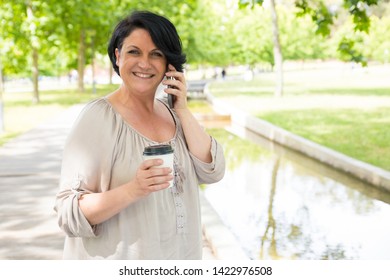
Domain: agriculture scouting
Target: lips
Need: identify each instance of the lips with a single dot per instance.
(142, 75)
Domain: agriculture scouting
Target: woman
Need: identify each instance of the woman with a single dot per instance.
(111, 203)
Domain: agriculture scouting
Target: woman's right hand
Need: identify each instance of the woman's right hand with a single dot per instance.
(99, 207)
(151, 178)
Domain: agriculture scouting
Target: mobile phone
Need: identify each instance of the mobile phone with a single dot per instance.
(171, 98)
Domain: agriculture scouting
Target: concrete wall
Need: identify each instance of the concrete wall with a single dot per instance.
(368, 173)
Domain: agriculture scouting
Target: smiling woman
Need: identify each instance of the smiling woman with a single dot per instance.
(141, 65)
(164, 37)
(112, 203)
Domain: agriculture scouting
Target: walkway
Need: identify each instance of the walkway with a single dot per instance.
(29, 172)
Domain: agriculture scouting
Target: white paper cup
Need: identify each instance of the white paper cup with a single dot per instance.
(164, 152)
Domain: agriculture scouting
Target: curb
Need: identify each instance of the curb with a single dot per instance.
(224, 245)
(368, 173)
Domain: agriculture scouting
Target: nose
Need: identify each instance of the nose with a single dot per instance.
(144, 62)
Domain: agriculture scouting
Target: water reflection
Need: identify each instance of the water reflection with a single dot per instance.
(282, 205)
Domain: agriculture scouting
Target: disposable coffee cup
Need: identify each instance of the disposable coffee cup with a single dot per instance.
(164, 152)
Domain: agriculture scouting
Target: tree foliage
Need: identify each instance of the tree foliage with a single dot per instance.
(324, 14)
(213, 32)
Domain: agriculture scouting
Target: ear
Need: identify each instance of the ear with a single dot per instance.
(117, 56)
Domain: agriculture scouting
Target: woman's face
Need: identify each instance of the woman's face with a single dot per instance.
(141, 65)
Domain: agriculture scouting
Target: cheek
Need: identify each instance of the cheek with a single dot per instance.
(164, 67)
(163, 74)
(121, 63)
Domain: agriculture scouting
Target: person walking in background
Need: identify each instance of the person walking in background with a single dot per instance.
(223, 73)
(112, 204)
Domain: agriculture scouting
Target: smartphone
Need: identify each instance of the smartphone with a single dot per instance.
(171, 98)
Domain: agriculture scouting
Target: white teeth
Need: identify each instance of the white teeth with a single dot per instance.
(143, 75)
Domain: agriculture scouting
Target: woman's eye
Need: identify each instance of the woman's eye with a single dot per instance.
(133, 52)
(157, 54)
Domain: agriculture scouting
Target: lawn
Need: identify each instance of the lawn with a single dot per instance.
(346, 109)
(21, 115)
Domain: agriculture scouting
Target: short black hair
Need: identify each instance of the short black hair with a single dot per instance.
(163, 33)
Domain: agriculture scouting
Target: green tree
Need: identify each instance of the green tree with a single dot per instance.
(40, 28)
(324, 13)
(253, 38)
(296, 36)
(376, 44)
(12, 38)
(84, 29)
(205, 33)
(277, 48)
(27, 35)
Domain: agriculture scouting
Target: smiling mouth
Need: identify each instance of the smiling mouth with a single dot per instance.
(144, 76)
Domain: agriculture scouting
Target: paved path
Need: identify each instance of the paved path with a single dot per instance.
(29, 174)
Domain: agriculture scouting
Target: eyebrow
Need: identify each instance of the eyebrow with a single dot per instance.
(131, 46)
(134, 46)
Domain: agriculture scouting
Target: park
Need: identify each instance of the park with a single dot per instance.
(303, 118)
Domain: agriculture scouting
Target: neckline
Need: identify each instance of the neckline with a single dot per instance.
(139, 133)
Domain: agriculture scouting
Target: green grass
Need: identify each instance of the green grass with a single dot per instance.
(361, 134)
(200, 106)
(21, 115)
(343, 109)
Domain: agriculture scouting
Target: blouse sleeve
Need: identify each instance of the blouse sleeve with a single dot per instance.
(86, 168)
(214, 171)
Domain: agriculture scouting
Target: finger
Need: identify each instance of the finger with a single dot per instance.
(146, 181)
(157, 181)
(171, 67)
(175, 86)
(171, 83)
(160, 171)
(147, 164)
(159, 187)
(172, 72)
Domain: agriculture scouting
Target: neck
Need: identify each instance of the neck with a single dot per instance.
(135, 102)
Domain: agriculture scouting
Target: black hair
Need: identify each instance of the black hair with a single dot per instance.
(163, 33)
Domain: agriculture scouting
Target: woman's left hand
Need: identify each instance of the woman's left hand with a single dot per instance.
(198, 141)
(177, 87)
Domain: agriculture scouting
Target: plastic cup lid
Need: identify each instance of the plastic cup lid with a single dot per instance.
(158, 150)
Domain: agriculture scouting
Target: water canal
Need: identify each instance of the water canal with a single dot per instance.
(282, 205)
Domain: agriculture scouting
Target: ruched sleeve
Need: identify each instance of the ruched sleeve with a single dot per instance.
(214, 171)
(86, 167)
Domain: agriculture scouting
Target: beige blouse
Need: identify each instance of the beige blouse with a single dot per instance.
(103, 152)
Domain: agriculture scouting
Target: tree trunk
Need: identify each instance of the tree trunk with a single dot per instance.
(93, 72)
(93, 66)
(110, 73)
(34, 47)
(81, 61)
(35, 76)
(278, 57)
